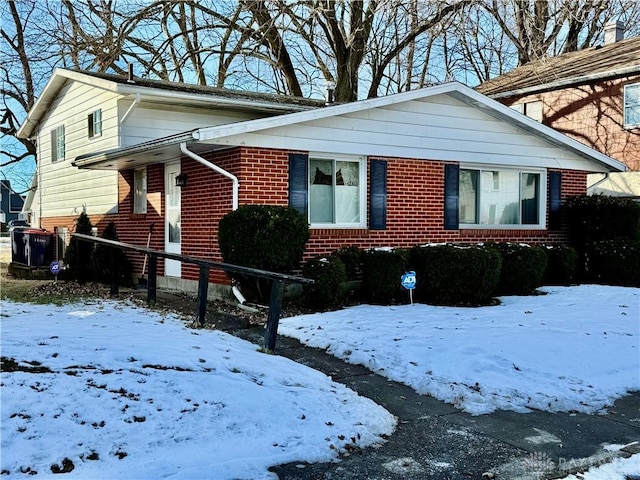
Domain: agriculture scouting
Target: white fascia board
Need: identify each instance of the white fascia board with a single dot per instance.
(528, 124)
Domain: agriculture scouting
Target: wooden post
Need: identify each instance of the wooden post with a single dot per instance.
(201, 302)
(275, 307)
(152, 279)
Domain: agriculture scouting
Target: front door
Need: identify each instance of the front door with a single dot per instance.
(172, 230)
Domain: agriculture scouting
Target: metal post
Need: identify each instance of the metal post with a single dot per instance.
(275, 307)
(114, 272)
(152, 280)
(201, 302)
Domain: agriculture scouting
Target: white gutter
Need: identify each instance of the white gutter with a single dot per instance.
(136, 101)
(208, 164)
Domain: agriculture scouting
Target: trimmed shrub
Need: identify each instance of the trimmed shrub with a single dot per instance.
(266, 237)
(330, 278)
(614, 262)
(455, 274)
(77, 257)
(352, 258)
(106, 259)
(523, 267)
(562, 261)
(381, 272)
(592, 218)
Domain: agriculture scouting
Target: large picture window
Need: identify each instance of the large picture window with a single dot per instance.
(335, 192)
(632, 105)
(500, 197)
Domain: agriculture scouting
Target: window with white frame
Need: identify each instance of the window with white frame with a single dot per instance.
(530, 109)
(632, 105)
(336, 188)
(57, 144)
(501, 197)
(140, 190)
(94, 124)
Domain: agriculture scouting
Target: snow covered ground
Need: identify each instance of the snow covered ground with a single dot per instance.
(573, 349)
(132, 394)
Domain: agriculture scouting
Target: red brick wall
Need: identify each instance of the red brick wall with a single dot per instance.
(593, 115)
(415, 200)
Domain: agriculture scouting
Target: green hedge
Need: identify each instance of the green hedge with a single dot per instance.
(330, 277)
(266, 237)
(77, 256)
(523, 268)
(614, 262)
(455, 274)
(591, 218)
(106, 259)
(562, 261)
(381, 272)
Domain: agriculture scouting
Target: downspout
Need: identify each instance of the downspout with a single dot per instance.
(235, 190)
(606, 176)
(208, 164)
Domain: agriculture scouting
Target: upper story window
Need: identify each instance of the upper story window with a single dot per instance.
(632, 105)
(94, 124)
(530, 109)
(140, 190)
(57, 144)
(336, 189)
(492, 197)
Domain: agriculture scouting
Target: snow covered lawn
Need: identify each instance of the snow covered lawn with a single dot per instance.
(122, 392)
(573, 349)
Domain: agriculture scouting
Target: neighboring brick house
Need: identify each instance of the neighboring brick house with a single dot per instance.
(440, 164)
(592, 95)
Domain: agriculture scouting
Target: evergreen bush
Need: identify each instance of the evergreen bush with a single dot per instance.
(455, 274)
(352, 258)
(614, 262)
(523, 268)
(381, 272)
(77, 257)
(266, 237)
(330, 277)
(562, 261)
(107, 259)
(592, 218)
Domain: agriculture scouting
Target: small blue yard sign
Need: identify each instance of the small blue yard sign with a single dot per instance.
(54, 268)
(408, 280)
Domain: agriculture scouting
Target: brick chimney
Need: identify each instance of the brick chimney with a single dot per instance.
(613, 32)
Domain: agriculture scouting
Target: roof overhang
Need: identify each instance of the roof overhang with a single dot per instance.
(201, 140)
(162, 150)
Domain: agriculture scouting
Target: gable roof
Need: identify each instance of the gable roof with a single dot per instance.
(242, 133)
(596, 63)
(162, 91)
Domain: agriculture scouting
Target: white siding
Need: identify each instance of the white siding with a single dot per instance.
(63, 189)
(436, 128)
(149, 121)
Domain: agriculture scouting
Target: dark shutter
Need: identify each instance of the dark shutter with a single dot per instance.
(555, 200)
(451, 196)
(298, 182)
(378, 195)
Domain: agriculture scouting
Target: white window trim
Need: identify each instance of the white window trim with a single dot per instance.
(542, 220)
(624, 107)
(137, 207)
(57, 132)
(362, 161)
(91, 124)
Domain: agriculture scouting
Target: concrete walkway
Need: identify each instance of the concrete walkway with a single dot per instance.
(434, 440)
